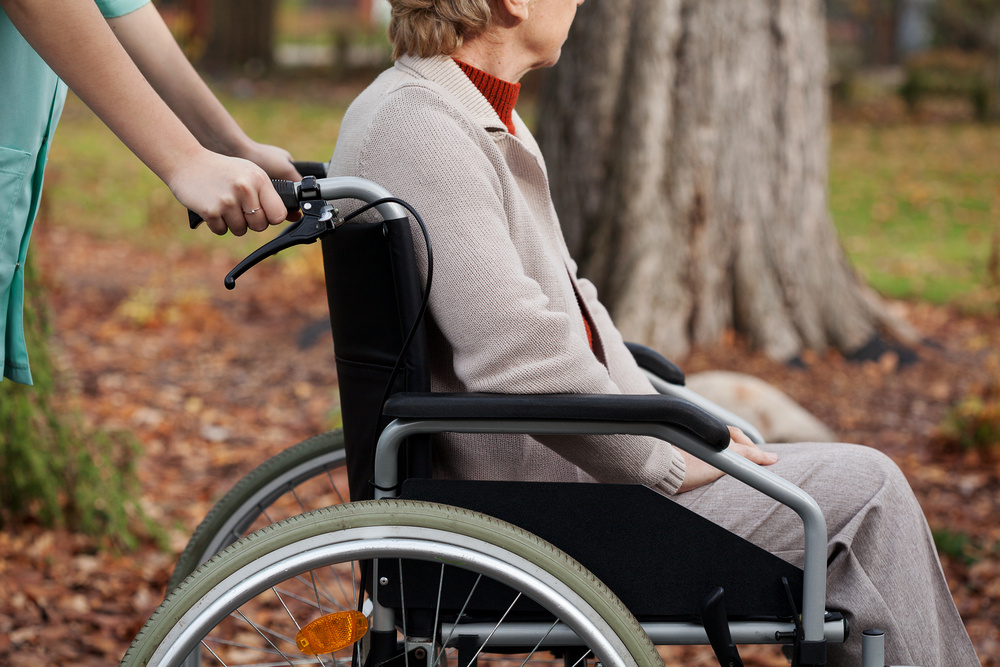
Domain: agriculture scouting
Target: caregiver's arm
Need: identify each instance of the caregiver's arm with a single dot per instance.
(76, 41)
(153, 49)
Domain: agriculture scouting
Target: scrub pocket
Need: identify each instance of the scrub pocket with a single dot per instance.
(15, 205)
(15, 168)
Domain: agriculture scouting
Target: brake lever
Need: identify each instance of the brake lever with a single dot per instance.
(318, 221)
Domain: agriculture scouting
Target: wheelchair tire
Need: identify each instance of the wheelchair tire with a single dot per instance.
(304, 477)
(310, 561)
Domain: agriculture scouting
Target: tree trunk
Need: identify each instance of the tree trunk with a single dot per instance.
(241, 37)
(687, 146)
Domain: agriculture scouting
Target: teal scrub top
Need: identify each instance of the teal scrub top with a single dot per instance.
(31, 100)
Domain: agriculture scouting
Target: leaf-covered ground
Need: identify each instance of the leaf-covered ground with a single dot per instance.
(212, 382)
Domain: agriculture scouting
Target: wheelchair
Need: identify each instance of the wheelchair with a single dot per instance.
(426, 572)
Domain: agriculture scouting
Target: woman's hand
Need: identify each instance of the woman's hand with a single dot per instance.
(700, 473)
(276, 161)
(231, 194)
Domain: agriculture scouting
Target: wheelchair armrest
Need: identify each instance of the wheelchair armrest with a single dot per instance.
(630, 408)
(669, 380)
(654, 362)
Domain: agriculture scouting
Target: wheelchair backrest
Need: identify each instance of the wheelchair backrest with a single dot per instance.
(374, 291)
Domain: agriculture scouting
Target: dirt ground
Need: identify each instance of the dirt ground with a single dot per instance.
(212, 382)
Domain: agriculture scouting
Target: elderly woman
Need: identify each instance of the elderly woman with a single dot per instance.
(510, 315)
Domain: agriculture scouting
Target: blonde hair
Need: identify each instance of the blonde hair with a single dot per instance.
(428, 28)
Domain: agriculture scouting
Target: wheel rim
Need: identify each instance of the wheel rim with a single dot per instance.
(309, 486)
(310, 475)
(301, 575)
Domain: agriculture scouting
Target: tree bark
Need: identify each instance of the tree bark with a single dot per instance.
(687, 145)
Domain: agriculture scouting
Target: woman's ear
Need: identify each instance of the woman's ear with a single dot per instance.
(516, 9)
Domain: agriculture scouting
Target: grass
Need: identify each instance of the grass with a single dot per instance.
(917, 208)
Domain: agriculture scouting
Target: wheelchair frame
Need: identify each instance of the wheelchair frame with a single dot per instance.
(422, 414)
(814, 594)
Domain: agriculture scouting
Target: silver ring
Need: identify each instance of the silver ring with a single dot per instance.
(251, 211)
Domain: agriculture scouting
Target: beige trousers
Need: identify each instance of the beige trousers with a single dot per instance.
(883, 569)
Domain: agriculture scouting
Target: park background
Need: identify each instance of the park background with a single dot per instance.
(188, 386)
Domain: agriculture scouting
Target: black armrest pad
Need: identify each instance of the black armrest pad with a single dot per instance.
(654, 362)
(651, 408)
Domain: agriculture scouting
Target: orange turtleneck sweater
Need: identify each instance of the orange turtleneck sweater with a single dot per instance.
(502, 95)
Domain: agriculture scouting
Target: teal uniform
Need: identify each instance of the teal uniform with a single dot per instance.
(31, 100)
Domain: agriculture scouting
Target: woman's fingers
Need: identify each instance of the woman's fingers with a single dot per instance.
(753, 453)
(745, 447)
(699, 472)
(737, 435)
(273, 211)
(236, 223)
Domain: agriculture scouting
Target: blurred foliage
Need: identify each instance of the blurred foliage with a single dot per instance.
(53, 471)
(969, 25)
(317, 36)
(956, 545)
(954, 73)
(965, 60)
(973, 423)
(185, 29)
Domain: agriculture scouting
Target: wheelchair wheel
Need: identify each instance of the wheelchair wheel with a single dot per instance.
(305, 477)
(247, 604)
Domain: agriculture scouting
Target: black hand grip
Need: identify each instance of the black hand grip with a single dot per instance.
(317, 169)
(285, 190)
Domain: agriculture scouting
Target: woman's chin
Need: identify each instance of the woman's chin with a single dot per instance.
(549, 62)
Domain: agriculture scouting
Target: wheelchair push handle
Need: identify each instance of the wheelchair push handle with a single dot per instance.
(284, 189)
(320, 219)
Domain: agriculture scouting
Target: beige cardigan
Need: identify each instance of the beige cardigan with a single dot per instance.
(505, 317)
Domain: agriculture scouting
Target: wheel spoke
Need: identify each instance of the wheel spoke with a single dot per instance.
(402, 603)
(535, 649)
(461, 613)
(264, 636)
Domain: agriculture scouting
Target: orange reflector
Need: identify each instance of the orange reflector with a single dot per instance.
(332, 632)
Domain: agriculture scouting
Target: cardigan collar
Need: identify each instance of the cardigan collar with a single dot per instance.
(502, 95)
(445, 72)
